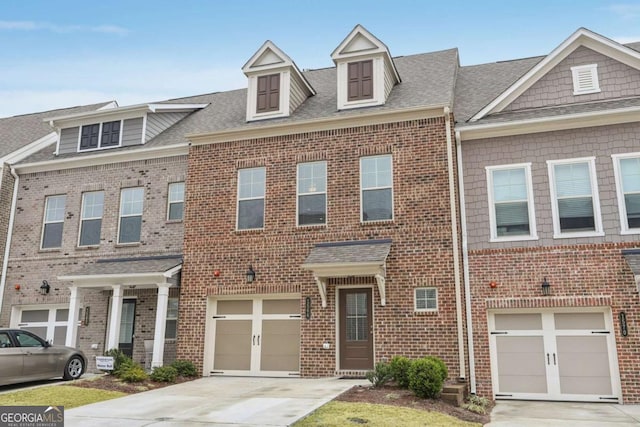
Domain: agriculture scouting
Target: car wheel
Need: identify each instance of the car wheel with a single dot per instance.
(74, 368)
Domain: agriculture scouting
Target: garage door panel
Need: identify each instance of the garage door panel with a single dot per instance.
(579, 321)
(582, 344)
(234, 307)
(522, 384)
(233, 345)
(511, 344)
(521, 371)
(280, 345)
(584, 365)
(519, 321)
(586, 385)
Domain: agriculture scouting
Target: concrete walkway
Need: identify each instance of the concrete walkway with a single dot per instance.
(215, 401)
(511, 413)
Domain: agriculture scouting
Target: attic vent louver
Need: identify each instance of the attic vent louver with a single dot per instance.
(585, 79)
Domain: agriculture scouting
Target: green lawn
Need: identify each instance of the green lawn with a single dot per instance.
(370, 415)
(57, 395)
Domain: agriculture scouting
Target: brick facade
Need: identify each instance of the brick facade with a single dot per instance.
(6, 196)
(28, 265)
(421, 253)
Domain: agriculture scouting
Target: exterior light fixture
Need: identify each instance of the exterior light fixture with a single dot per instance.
(251, 275)
(546, 287)
(44, 288)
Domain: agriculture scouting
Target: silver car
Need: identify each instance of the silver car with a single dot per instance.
(26, 357)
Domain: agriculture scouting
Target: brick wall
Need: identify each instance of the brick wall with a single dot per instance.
(617, 80)
(6, 195)
(421, 253)
(587, 275)
(28, 265)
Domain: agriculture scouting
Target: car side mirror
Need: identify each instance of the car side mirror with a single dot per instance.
(47, 344)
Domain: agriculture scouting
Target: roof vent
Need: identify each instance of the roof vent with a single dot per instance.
(585, 79)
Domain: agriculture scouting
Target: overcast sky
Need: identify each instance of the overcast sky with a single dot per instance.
(56, 54)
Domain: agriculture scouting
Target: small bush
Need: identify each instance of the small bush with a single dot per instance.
(119, 358)
(400, 370)
(425, 378)
(444, 372)
(164, 374)
(477, 404)
(185, 368)
(133, 373)
(380, 375)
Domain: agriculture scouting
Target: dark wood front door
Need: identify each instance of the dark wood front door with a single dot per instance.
(127, 326)
(356, 329)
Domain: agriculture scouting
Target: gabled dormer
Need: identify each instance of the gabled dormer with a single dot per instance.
(276, 85)
(365, 70)
(115, 127)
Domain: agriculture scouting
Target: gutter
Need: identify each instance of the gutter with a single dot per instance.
(5, 263)
(456, 248)
(465, 263)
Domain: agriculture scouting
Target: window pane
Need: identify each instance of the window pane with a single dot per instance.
(62, 314)
(176, 211)
(92, 204)
(312, 209)
(176, 192)
(35, 316)
(172, 308)
(52, 237)
(90, 232)
(512, 219)
(132, 201)
(376, 205)
(55, 208)
(130, 229)
(632, 204)
(630, 171)
(251, 183)
(110, 134)
(376, 172)
(29, 341)
(312, 178)
(572, 180)
(509, 185)
(171, 329)
(356, 317)
(250, 214)
(576, 214)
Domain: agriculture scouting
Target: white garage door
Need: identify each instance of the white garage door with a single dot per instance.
(256, 337)
(554, 355)
(49, 322)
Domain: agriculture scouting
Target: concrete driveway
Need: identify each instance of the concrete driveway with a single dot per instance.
(215, 401)
(511, 413)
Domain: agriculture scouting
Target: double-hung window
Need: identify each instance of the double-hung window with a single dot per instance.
(171, 327)
(627, 171)
(251, 189)
(131, 204)
(511, 211)
(91, 218)
(312, 193)
(53, 221)
(100, 135)
(175, 208)
(574, 198)
(376, 187)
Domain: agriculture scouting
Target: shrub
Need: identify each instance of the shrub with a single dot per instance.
(444, 372)
(119, 359)
(477, 404)
(133, 373)
(425, 378)
(185, 368)
(380, 375)
(164, 374)
(400, 370)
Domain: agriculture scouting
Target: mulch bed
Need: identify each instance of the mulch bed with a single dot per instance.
(111, 383)
(392, 395)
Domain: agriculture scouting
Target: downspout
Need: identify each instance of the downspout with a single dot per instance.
(456, 248)
(5, 262)
(465, 264)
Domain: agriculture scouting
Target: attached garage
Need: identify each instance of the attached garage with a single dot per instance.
(257, 336)
(559, 354)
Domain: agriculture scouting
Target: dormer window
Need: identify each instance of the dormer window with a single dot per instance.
(360, 80)
(100, 135)
(585, 79)
(268, 93)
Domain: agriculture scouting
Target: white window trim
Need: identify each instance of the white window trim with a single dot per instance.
(575, 71)
(238, 199)
(82, 218)
(533, 234)
(120, 216)
(597, 217)
(100, 147)
(44, 222)
(298, 194)
(622, 207)
(415, 300)
(170, 202)
(342, 70)
(362, 190)
(284, 101)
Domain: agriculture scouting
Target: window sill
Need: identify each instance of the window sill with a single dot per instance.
(377, 222)
(250, 231)
(87, 248)
(512, 239)
(174, 221)
(578, 235)
(628, 232)
(425, 312)
(127, 245)
(307, 226)
(45, 250)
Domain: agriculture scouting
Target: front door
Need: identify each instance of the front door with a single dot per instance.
(127, 325)
(356, 329)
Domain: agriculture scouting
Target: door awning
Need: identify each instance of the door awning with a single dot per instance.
(140, 271)
(633, 259)
(345, 259)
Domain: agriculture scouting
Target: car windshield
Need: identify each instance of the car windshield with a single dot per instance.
(27, 340)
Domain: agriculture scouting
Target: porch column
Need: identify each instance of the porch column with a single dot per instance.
(161, 324)
(116, 313)
(72, 319)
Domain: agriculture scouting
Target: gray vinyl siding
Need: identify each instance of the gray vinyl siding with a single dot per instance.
(132, 132)
(69, 140)
(617, 80)
(297, 95)
(600, 142)
(389, 80)
(158, 122)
